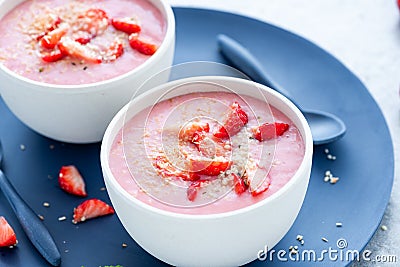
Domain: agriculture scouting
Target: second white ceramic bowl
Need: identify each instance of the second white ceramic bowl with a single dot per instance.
(225, 239)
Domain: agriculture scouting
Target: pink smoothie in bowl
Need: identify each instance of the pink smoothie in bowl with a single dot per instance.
(79, 42)
(207, 171)
(206, 153)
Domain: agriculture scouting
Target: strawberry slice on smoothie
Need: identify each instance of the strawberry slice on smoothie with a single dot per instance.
(74, 49)
(269, 131)
(51, 39)
(167, 170)
(127, 25)
(141, 45)
(236, 119)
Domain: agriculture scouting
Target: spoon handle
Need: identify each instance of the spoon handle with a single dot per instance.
(33, 227)
(243, 60)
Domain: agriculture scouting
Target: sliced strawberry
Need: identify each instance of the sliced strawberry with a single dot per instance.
(127, 25)
(240, 185)
(269, 131)
(91, 208)
(115, 50)
(192, 131)
(74, 49)
(83, 40)
(93, 21)
(258, 185)
(141, 46)
(53, 56)
(216, 167)
(210, 167)
(166, 169)
(54, 21)
(7, 234)
(71, 181)
(236, 119)
(51, 39)
(193, 188)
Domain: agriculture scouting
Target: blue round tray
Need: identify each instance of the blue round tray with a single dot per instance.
(364, 157)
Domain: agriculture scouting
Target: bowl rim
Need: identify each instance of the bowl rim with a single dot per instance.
(169, 39)
(110, 134)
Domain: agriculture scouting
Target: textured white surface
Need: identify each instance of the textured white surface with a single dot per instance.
(365, 36)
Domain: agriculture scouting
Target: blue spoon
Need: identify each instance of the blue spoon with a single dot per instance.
(32, 225)
(325, 127)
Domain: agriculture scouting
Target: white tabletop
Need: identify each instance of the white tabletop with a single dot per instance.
(365, 36)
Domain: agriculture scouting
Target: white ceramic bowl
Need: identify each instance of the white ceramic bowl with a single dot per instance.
(80, 113)
(214, 239)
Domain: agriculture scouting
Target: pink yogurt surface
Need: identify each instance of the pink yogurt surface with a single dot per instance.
(154, 130)
(19, 51)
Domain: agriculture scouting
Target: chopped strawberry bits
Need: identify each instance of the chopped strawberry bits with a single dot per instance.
(213, 154)
(75, 37)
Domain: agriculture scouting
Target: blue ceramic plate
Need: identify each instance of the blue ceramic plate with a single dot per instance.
(364, 157)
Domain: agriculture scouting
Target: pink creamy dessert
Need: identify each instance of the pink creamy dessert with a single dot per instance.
(79, 42)
(206, 153)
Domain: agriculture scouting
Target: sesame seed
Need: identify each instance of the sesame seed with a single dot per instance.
(384, 228)
(41, 217)
(62, 218)
(326, 151)
(46, 204)
(124, 245)
(51, 147)
(22, 147)
(339, 224)
(299, 237)
(324, 239)
(102, 188)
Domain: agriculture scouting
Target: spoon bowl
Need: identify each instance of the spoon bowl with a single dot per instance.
(325, 127)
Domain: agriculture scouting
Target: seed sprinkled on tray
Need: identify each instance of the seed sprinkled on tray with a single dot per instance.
(330, 178)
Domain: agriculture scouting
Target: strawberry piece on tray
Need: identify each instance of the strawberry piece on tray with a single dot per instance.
(71, 181)
(7, 234)
(90, 209)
